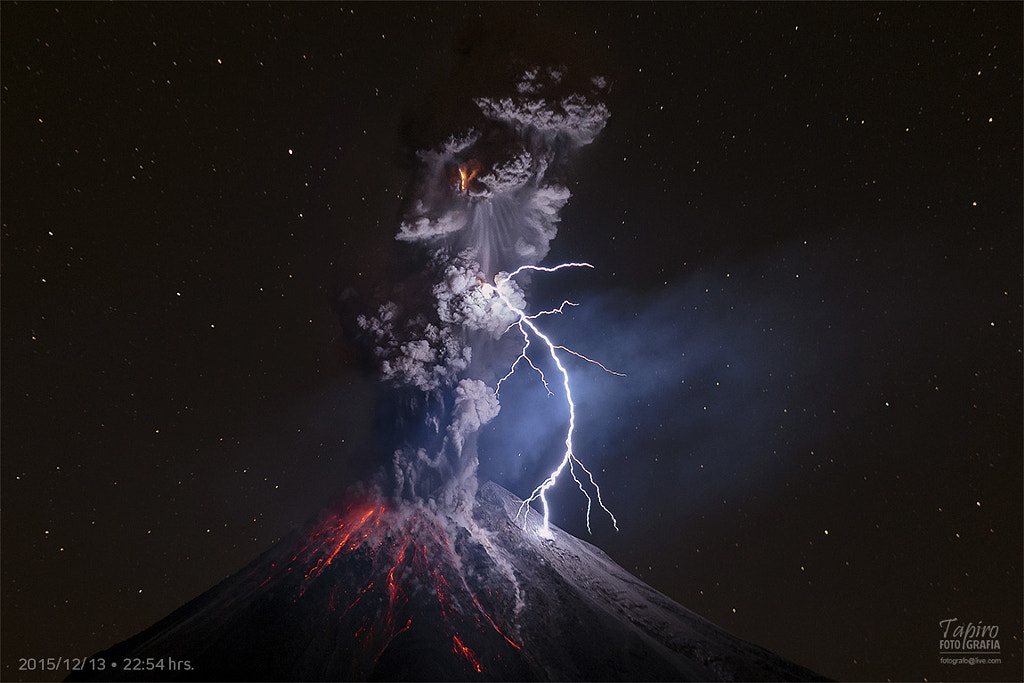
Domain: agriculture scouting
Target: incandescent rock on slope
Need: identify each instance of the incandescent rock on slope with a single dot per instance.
(383, 592)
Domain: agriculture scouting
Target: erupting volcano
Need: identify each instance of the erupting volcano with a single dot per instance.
(375, 591)
(425, 575)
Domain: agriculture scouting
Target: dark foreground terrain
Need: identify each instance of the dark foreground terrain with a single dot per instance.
(372, 592)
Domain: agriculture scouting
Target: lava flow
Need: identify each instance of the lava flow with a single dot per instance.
(379, 569)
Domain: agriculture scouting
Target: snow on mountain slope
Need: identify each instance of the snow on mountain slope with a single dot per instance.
(695, 648)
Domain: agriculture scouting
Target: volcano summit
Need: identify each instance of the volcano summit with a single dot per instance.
(378, 592)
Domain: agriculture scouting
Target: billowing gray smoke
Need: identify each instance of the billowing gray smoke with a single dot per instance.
(485, 201)
(508, 213)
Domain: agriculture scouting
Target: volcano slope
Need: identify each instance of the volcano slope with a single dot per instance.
(377, 591)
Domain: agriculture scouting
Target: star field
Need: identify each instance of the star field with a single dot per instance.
(805, 221)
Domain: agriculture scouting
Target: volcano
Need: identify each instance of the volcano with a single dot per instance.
(379, 591)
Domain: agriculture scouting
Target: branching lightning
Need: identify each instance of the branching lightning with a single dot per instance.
(526, 325)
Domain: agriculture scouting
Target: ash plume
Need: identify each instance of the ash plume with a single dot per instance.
(485, 200)
(424, 575)
(507, 210)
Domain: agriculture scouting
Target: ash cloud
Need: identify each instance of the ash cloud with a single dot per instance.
(485, 200)
(508, 213)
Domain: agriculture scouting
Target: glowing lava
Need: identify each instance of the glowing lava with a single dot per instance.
(400, 566)
(470, 656)
(569, 458)
(467, 172)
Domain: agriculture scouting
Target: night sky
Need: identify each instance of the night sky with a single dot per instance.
(805, 222)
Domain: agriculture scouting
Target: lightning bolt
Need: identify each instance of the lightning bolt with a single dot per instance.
(527, 326)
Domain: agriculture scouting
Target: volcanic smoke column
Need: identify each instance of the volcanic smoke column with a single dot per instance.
(486, 203)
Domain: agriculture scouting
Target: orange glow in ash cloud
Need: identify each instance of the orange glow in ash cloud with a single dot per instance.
(467, 172)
